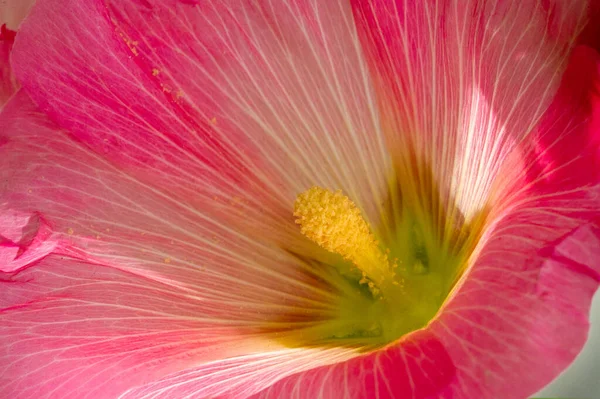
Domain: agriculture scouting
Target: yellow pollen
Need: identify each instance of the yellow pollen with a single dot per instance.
(333, 221)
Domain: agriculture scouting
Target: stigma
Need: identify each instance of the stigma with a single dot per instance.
(334, 222)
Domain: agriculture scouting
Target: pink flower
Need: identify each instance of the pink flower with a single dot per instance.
(170, 224)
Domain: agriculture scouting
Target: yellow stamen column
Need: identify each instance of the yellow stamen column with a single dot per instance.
(334, 222)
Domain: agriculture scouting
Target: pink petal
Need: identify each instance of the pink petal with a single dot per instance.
(71, 329)
(151, 210)
(102, 215)
(565, 150)
(8, 82)
(462, 82)
(24, 239)
(130, 239)
(519, 310)
(248, 97)
(518, 320)
(559, 161)
(520, 315)
(239, 377)
(418, 367)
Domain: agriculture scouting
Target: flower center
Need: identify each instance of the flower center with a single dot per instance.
(374, 284)
(333, 221)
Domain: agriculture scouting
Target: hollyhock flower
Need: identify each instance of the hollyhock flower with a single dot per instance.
(296, 198)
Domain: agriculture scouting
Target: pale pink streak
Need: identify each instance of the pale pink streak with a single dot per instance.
(461, 83)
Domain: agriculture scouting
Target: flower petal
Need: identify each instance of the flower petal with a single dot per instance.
(8, 83)
(131, 225)
(24, 239)
(524, 302)
(216, 98)
(75, 214)
(519, 310)
(71, 329)
(514, 313)
(564, 151)
(419, 367)
(462, 82)
(239, 377)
